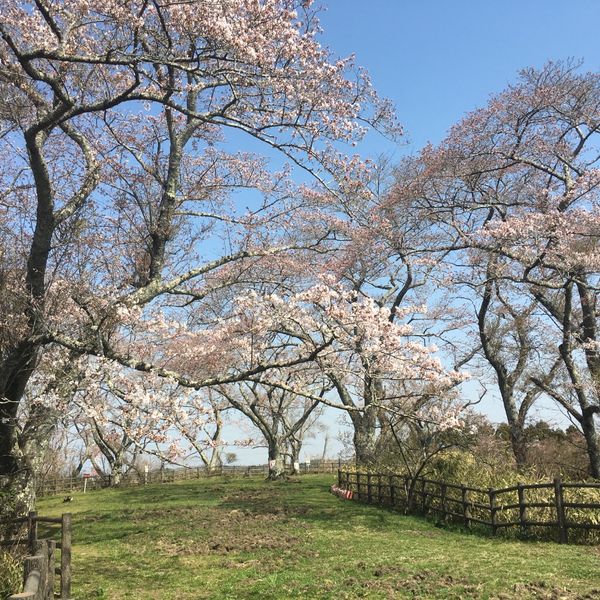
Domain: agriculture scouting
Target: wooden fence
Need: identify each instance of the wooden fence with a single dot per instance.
(39, 568)
(541, 508)
(68, 485)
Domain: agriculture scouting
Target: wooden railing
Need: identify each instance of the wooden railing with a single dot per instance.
(39, 566)
(553, 510)
(68, 485)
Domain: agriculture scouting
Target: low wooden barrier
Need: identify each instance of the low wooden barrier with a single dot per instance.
(68, 485)
(39, 567)
(39, 573)
(497, 509)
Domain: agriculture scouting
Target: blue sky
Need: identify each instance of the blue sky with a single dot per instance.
(439, 59)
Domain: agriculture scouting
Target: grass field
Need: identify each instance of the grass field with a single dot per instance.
(246, 538)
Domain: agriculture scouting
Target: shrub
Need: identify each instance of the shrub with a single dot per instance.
(11, 573)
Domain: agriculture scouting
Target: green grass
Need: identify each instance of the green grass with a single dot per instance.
(246, 538)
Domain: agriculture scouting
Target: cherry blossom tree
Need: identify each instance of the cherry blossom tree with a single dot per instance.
(200, 426)
(386, 265)
(278, 413)
(111, 452)
(370, 359)
(116, 168)
(508, 342)
(516, 183)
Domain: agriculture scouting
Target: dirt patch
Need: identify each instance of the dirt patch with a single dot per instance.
(543, 591)
(428, 584)
(179, 513)
(213, 531)
(243, 531)
(260, 502)
(390, 581)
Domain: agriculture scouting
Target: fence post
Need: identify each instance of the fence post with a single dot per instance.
(392, 491)
(51, 569)
(409, 492)
(443, 491)
(522, 508)
(560, 512)
(65, 557)
(347, 480)
(369, 488)
(358, 491)
(379, 489)
(465, 506)
(35, 576)
(339, 478)
(492, 495)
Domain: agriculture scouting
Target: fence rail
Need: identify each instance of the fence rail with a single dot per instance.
(552, 507)
(68, 485)
(39, 567)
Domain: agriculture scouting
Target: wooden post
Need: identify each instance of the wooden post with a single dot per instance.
(379, 490)
(409, 491)
(51, 549)
(369, 488)
(560, 512)
(392, 492)
(32, 527)
(522, 508)
(35, 571)
(358, 491)
(65, 557)
(443, 492)
(347, 480)
(339, 478)
(492, 495)
(465, 506)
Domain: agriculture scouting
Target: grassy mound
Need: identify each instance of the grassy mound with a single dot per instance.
(246, 538)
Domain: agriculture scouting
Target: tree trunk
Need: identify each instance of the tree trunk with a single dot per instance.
(215, 464)
(295, 448)
(592, 441)
(365, 439)
(518, 444)
(116, 473)
(27, 452)
(514, 419)
(276, 467)
(14, 376)
(16, 474)
(17, 494)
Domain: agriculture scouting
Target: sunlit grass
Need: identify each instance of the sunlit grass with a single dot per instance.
(246, 538)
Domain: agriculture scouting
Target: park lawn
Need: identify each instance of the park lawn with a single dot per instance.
(246, 538)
